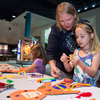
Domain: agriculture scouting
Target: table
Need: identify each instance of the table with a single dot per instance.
(8, 68)
(24, 84)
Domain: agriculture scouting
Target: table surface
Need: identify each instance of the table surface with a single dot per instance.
(25, 83)
(4, 66)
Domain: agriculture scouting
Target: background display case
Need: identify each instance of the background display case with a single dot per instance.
(23, 53)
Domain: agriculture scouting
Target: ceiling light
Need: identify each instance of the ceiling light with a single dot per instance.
(13, 16)
(93, 5)
(85, 8)
(79, 10)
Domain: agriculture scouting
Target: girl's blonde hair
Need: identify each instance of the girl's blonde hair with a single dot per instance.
(94, 42)
(68, 8)
(39, 48)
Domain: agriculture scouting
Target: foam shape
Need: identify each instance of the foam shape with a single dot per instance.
(3, 77)
(27, 95)
(10, 76)
(64, 87)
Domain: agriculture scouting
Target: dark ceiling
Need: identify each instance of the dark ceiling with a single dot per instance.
(42, 7)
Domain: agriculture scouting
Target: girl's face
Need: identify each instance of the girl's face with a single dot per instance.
(83, 38)
(32, 52)
(66, 20)
(35, 54)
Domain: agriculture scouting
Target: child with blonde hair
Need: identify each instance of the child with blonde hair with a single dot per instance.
(86, 58)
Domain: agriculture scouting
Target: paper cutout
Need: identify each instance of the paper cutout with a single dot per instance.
(31, 94)
(66, 84)
(46, 89)
(27, 95)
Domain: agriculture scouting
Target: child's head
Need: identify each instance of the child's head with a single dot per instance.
(86, 29)
(38, 52)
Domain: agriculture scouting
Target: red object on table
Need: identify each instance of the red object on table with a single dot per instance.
(2, 85)
(84, 94)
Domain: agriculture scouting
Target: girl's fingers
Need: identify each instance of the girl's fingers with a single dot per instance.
(64, 54)
(62, 58)
(72, 61)
(71, 64)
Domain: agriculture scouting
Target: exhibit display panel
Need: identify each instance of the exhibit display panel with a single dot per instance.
(23, 53)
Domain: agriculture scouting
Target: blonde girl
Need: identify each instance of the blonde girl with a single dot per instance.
(86, 58)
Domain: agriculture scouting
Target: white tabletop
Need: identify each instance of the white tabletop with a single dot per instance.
(25, 83)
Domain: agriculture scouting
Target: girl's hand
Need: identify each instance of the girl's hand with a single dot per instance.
(74, 61)
(21, 68)
(63, 58)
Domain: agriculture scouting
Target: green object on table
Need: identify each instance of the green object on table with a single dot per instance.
(9, 81)
(48, 79)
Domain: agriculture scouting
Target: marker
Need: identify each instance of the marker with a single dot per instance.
(43, 81)
(48, 79)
